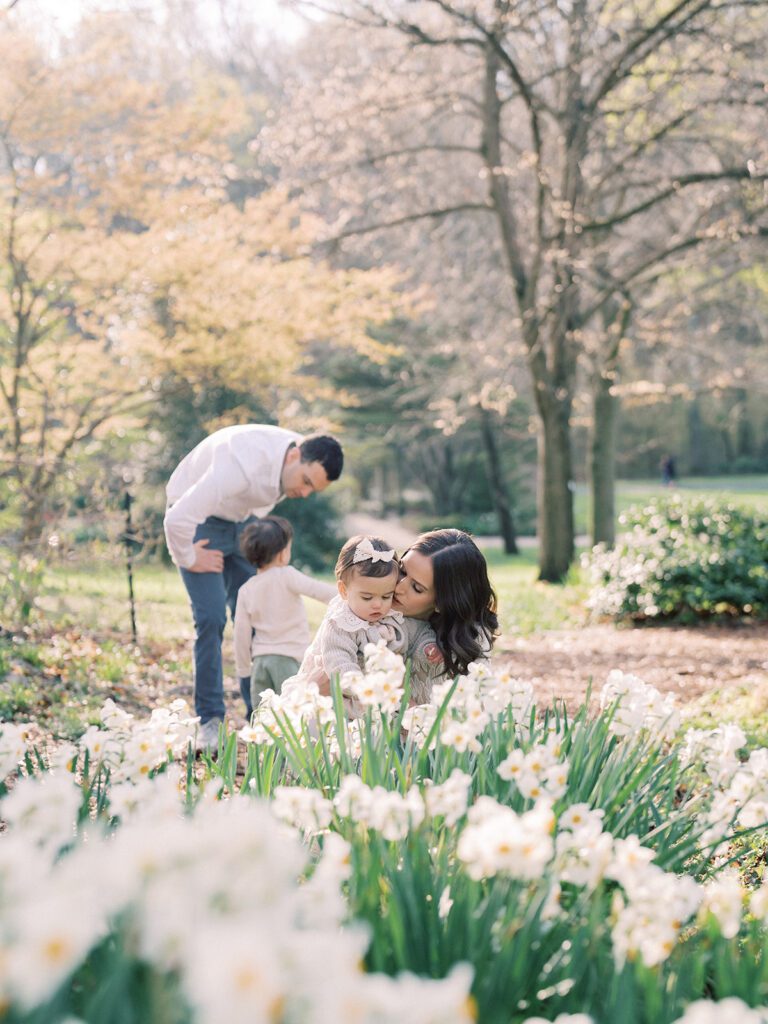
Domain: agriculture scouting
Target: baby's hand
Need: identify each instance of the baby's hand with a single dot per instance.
(319, 676)
(433, 654)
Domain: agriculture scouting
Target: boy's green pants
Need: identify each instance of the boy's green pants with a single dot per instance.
(268, 672)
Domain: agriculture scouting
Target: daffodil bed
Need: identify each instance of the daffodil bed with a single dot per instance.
(466, 859)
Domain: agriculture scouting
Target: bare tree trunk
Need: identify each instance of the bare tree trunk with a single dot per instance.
(605, 411)
(725, 434)
(446, 482)
(696, 439)
(745, 435)
(552, 367)
(552, 383)
(398, 475)
(602, 460)
(555, 497)
(32, 526)
(498, 484)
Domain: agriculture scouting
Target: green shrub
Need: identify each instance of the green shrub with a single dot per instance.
(318, 534)
(480, 524)
(683, 561)
(87, 533)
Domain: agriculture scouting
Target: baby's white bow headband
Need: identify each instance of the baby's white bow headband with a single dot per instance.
(365, 551)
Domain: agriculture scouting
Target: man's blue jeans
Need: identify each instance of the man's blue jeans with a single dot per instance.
(210, 594)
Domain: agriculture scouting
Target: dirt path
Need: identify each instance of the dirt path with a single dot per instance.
(400, 536)
(685, 661)
(390, 530)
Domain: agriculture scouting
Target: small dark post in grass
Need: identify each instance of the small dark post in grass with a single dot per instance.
(129, 539)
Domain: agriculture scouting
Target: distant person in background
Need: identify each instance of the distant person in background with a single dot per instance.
(271, 628)
(233, 476)
(668, 471)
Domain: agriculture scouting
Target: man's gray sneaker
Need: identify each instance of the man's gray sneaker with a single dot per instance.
(208, 735)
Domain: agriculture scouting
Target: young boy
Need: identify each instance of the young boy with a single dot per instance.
(271, 627)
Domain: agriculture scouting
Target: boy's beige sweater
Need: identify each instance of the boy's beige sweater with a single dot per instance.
(270, 617)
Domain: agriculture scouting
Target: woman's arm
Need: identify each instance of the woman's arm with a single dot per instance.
(427, 664)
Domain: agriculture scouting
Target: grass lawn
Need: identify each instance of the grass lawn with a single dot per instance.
(750, 490)
(93, 593)
(59, 678)
(528, 606)
(59, 675)
(96, 598)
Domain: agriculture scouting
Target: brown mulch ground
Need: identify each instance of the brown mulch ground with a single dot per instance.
(686, 661)
(689, 662)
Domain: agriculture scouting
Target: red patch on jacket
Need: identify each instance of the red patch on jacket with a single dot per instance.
(433, 654)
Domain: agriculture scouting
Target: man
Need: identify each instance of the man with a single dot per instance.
(234, 475)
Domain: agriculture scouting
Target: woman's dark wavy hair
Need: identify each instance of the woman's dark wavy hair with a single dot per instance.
(464, 619)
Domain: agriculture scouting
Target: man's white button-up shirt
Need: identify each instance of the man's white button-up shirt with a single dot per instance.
(233, 474)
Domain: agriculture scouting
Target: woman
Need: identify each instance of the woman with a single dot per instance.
(444, 581)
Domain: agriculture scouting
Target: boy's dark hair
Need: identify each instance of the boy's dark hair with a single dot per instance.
(326, 450)
(346, 567)
(265, 539)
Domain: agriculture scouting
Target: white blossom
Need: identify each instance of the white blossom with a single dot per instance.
(637, 706)
(306, 809)
(499, 841)
(727, 1011)
(449, 798)
(724, 899)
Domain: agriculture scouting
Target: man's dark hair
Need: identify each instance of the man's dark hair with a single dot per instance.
(263, 540)
(326, 450)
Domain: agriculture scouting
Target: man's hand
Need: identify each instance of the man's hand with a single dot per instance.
(205, 560)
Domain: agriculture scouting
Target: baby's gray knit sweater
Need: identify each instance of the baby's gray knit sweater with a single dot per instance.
(340, 641)
(341, 638)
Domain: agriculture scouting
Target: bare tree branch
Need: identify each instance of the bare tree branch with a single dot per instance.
(642, 147)
(648, 40)
(662, 256)
(679, 183)
(366, 229)
(393, 154)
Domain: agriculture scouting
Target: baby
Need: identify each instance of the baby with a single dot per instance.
(367, 572)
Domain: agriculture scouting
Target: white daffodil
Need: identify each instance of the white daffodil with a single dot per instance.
(727, 1011)
(724, 899)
